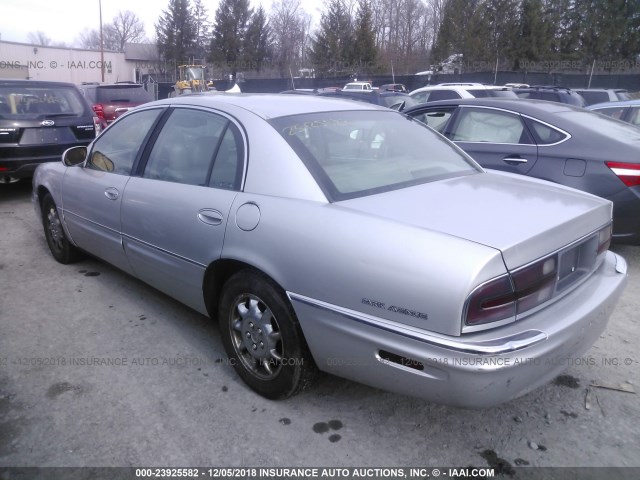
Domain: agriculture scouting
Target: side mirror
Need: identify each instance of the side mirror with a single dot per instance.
(74, 156)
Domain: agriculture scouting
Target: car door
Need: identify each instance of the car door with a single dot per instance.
(495, 138)
(175, 211)
(92, 194)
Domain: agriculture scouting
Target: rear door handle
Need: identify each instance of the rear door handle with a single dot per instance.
(210, 216)
(112, 193)
(514, 160)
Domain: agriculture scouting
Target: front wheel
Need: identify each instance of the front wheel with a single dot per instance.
(262, 336)
(61, 249)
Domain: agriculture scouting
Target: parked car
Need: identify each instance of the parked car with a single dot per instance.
(551, 93)
(394, 100)
(601, 95)
(448, 91)
(394, 87)
(109, 101)
(556, 142)
(338, 235)
(628, 111)
(38, 121)
(358, 86)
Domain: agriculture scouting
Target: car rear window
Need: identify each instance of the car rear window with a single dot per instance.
(24, 102)
(356, 153)
(592, 97)
(123, 94)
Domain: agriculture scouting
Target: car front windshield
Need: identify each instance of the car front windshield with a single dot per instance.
(29, 102)
(357, 153)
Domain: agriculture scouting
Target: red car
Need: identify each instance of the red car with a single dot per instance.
(109, 101)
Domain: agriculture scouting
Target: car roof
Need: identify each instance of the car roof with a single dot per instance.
(41, 83)
(268, 106)
(621, 103)
(521, 105)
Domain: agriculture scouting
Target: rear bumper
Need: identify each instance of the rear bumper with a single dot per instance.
(626, 215)
(474, 370)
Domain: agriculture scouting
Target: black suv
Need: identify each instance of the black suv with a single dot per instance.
(38, 122)
(109, 101)
(551, 93)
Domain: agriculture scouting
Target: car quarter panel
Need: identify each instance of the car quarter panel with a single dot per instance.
(362, 261)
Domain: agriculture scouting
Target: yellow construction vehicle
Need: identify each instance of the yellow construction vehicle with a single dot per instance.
(191, 80)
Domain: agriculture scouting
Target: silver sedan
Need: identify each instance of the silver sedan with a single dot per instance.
(343, 237)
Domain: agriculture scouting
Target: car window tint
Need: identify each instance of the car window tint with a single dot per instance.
(420, 97)
(184, 150)
(227, 168)
(613, 112)
(352, 154)
(116, 149)
(547, 135)
(443, 95)
(493, 126)
(549, 96)
(635, 116)
(19, 102)
(594, 97)
(435, 119)
(478, 93)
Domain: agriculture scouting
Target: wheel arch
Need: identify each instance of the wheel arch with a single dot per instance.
(218, 272)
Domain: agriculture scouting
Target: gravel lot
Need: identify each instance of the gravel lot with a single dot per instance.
(169, 399)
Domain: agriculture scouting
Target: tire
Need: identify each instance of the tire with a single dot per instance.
(61, 249)
(262, 336)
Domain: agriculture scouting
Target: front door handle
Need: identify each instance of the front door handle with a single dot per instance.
(514, 160)
(112, 193)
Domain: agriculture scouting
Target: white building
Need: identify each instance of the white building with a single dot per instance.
(35, 62)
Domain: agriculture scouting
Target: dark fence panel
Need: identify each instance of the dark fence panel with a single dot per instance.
(275, 85)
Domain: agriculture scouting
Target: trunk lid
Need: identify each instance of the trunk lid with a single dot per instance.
(524, 218)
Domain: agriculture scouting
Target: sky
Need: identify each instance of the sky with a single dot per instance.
(64, 20)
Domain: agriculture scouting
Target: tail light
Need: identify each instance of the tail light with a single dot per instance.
(532, 285)
(629, 173)
(97, 125)
(99, 109)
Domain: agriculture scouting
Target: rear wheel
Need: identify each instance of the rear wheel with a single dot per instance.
(262, 336)
(61, 249)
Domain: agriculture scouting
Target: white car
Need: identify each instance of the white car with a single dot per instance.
(454, 91)
(358, 86)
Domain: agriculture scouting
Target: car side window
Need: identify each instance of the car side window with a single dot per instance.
(613, 112)
(421, 97)
(443, 95)
(184, 149)
(436, 119)
(546, 135)
(635, 116)
(227, 167)
(116, 149)
(492, 126)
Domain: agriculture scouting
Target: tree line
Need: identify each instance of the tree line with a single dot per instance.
(360, 37)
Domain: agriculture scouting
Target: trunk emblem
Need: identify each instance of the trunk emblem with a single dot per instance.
(47, 123)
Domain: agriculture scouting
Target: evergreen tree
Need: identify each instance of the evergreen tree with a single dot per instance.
(330, 49)
(364, 51)
(257, 42)
(202, 25)
(176, 32)
(532, 42)
(228, 34)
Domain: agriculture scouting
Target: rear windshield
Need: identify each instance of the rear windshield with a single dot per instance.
(356, 153)
(28, 102)
(122, 94)
(603, 125)
(502, 93)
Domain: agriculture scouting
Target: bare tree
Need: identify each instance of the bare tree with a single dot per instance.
(90, 39)
(39, 38)
(290, 30)
(127, 28)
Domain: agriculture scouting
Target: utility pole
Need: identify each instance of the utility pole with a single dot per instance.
(101, 43)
